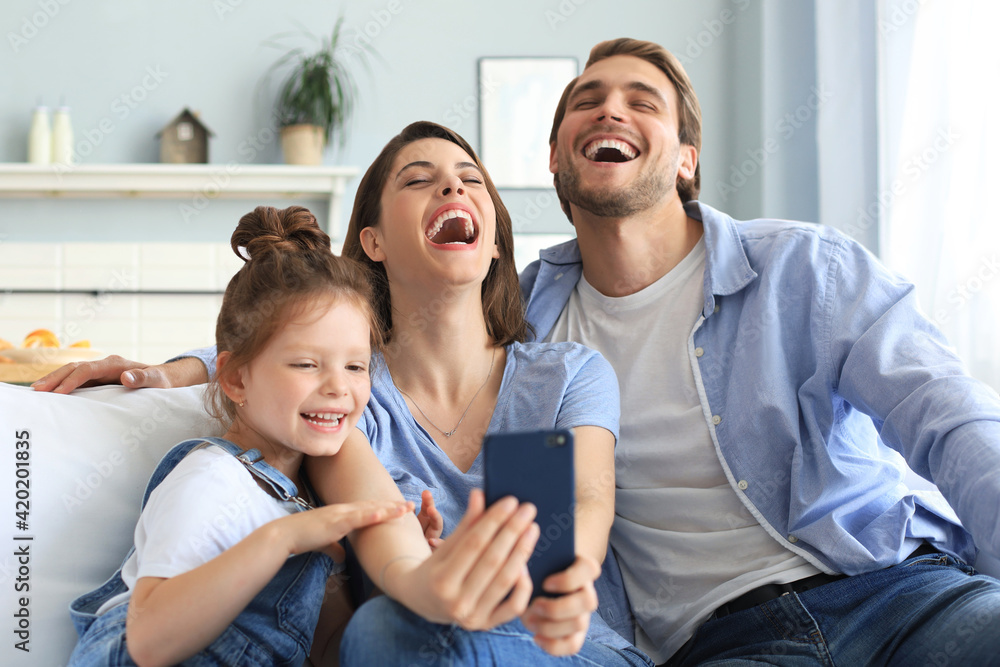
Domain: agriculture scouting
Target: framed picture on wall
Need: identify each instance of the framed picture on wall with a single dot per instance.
(517, 98)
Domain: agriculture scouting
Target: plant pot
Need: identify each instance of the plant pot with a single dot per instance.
(303, 144)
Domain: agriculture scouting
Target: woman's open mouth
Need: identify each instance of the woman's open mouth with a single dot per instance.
(454, 226)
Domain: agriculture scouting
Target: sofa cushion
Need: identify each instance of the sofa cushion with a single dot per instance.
(88, 456)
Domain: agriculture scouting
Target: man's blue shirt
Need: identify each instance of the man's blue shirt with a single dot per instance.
(816, 368)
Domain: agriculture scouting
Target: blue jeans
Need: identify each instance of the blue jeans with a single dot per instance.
(928, 610)
(384, 632)
(104, 645)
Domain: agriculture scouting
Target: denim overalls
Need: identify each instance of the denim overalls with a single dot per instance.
(276, 628)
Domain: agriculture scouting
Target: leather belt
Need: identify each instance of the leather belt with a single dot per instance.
(768, 592)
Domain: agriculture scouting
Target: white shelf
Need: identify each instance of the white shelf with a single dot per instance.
(179, 181)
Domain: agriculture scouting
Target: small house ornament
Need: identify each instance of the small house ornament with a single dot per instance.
(184, 140)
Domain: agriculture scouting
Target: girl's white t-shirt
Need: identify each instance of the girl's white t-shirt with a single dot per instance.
(207, 504)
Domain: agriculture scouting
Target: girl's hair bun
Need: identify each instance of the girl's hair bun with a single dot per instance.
(267, 229)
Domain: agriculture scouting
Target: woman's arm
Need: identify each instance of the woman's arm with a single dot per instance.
(172, 619)
(560, 624)
(118, 370)
(468, 579)
(594, 466)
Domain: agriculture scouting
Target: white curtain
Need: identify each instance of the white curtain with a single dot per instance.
(939, 159)
(846, 127)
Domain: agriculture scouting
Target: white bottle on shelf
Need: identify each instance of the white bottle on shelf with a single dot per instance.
(40, 137)
(62, 137)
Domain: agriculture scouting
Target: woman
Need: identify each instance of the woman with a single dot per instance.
(431, 226)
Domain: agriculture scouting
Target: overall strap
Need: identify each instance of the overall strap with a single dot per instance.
(254, 462)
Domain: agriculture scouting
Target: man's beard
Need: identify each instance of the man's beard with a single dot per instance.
(648, 188)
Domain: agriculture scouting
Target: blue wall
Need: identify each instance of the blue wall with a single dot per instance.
(127, 67)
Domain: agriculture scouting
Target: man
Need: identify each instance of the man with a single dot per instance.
(759, 363)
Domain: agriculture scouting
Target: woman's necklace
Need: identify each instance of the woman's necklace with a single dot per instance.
(450, 433)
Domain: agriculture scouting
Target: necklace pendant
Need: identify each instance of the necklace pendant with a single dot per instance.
(450, 433)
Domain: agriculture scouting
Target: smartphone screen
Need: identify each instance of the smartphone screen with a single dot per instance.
(537, 467)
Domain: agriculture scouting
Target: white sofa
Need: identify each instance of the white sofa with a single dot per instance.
(89, 456)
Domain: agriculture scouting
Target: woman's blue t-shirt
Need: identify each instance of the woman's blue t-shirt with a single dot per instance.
(545, 386)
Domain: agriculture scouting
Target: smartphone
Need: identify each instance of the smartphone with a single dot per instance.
(537, 467)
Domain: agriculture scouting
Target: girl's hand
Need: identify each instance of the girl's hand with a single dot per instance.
(431, 521)
(478, 577)
(560, 624)
(321, 529)
(169, 620)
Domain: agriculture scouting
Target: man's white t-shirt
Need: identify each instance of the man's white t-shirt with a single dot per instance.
(207, 504)
(685, 542)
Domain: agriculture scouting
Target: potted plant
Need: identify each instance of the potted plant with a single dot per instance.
(315, 99)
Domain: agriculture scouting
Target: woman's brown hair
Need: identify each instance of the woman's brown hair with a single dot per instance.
(289, 269)
(501, 293)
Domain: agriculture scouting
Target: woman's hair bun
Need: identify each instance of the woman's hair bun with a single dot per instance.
(267, 229)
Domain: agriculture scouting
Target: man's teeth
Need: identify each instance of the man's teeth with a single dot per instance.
(323, 418)
(619, 146)
(435, 227)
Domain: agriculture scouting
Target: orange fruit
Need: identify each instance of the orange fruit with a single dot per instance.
(5, 344)
(81, 343)
(41, 338)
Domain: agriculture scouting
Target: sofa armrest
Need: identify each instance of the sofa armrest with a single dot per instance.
(73, 470)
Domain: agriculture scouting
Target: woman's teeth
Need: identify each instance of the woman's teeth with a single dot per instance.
(463, 219)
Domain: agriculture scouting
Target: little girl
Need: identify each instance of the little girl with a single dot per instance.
(229, 567)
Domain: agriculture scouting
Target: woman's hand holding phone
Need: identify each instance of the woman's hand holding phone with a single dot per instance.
(477, 578)
(560, 623)
(539, 466)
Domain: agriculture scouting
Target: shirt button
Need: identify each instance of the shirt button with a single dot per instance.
(716, 308)
(742, 484)
(793, 539)
(699, 351)
(716, 419)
